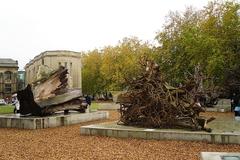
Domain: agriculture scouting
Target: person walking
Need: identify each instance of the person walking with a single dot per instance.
(234, 101)
(16, 104)
(89, 101)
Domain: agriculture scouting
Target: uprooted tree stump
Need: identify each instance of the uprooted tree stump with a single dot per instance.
(49, 95)
(151, 102)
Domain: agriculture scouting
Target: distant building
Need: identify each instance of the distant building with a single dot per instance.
(8, 77)
(52, 60)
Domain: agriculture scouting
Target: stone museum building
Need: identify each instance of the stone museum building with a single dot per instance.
(8, 77)
(51, 60)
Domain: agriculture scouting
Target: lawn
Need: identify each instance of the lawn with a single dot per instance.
(4, 109)
(94, 106)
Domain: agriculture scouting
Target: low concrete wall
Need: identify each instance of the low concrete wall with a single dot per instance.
(224, 105)
(220, 155)
(108, 106)
(219, 109)
(112, 130)
(16, 121)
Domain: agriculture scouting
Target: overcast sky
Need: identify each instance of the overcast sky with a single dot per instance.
(29, 27)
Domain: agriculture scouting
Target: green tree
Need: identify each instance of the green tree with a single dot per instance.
(91, 75)
(121, 62)
(207, 37)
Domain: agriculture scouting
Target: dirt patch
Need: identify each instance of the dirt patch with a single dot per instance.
(67, 143)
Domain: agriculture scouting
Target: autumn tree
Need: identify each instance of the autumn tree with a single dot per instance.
(92, 78)
(121, 62)
(208, 37)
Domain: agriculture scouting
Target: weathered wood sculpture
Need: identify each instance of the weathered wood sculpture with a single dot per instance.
(151, 102)
(49, 95)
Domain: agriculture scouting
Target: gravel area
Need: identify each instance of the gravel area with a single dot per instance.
(67, 143)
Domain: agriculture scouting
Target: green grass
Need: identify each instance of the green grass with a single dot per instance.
(5, 109)
(94, 106)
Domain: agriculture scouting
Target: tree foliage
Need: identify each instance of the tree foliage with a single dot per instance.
(209, 38)
(107, 69)
(92, 78)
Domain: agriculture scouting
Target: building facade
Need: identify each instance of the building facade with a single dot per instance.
(8, 77)
(52, 60)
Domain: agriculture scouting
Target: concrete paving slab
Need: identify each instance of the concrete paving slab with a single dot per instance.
(59, 119)
(108, 106)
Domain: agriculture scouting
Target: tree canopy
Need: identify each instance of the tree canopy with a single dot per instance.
(209, 38)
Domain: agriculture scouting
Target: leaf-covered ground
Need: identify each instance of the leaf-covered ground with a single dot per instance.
(67, 143)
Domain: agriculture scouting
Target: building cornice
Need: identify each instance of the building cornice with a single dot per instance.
(63, 53)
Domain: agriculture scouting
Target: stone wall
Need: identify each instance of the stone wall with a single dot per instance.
(53, 59)
(4, 82)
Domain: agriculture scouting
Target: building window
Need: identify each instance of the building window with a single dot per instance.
(70, 69)
(28, 76)
(43, 61)
(8, 88)
(59, 64)
(8, 75)
(65, 64)
(1, 77)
